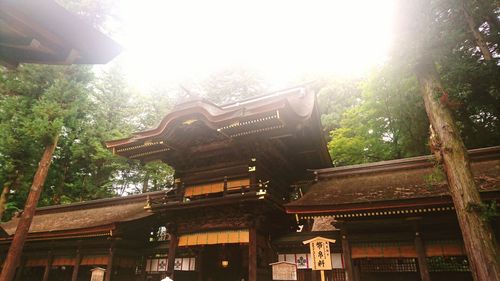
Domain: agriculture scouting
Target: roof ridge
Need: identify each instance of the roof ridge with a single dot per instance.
(95, 203)
(403, 163)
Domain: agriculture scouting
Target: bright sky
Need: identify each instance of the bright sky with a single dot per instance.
(169, 41)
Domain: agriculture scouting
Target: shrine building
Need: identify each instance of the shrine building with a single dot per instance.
(253, 180)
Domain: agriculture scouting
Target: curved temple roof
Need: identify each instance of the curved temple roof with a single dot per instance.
(278, 114)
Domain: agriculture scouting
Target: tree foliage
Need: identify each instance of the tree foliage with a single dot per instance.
(374, 118)
(232, 84)
(389, 121)
(39, 102)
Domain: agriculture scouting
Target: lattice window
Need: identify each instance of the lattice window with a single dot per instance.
(448, 264)
(387, 265)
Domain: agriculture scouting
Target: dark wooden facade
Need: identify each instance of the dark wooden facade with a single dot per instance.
(234, 168)
(235, 165)
(395, 219)
(230, 214)
(66, 242)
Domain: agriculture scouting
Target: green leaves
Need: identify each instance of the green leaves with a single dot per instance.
(386, 121)
(38, 103)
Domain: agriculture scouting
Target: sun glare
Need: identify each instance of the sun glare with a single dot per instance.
(169, 41)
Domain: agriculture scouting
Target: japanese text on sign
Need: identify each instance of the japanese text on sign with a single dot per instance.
(320, 253)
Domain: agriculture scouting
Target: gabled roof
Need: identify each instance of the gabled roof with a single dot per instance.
(92, 217)
(199, 122)
(43, 32)
(296, 99)
(398, 183)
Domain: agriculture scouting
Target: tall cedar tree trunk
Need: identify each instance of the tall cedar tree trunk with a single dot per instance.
(478, 37)
(145, 183)
(16, 247)
(4, 197)
(480, 243)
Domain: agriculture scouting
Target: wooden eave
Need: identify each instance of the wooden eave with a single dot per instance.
(100, 231)
(272, 117)
(248, 198)
(392, 185)
(87, 219)
(416, 205)
(44, 32)
(213, 116)
(297, 238)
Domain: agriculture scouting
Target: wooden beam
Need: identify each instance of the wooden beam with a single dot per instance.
(15, 41)
(78, 260)
(422, 261)
(25, 43)
(172, 247)
(109, 266)
(144, 264)
(252, 254)
(26, 26)
(72, 56)
(48, 265)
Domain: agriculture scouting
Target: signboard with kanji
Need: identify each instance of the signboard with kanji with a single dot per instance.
(320, 253)
(283, 270)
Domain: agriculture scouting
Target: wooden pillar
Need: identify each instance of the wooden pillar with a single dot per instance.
(172, 248)
(252, 170)
(76, 268)
(20, 269)
(357, 272)
(252, 254)
(314, 275)
(109, 266)
(143, 271)
(346, 253)
(422, 261)
(224, 191)
(199, 264)
(48, 265)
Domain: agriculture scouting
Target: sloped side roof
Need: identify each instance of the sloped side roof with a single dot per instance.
(366, 186)
(100, 214)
